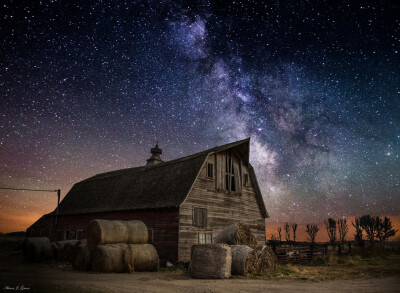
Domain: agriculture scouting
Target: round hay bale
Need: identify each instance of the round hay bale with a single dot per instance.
(137, 232)
(63, 249)
(37, 249)
(112, 258)
(66, 252)
(81, 257)
(237, 234)
(106, 232)
(210, 261)
(262, 260)
(240, 257)
(145, 257)
(82, 241)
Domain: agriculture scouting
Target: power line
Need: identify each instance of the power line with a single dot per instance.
(27, 189)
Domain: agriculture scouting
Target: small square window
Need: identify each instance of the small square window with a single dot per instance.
(59, 235)
(210, 170)
(205, 238)
(79, 234)
(246, 179)
(199, 217)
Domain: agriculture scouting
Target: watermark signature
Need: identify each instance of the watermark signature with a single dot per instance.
(16, 288)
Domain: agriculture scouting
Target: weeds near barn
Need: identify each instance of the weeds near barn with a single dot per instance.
(343, 267)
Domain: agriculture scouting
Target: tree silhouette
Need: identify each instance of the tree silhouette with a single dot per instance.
(358, 236)
(294, 228)
(280, 234)
(384, 229)
(369, 225)
(286, 227)
(342, 229)
(312, 231)
(330, 226)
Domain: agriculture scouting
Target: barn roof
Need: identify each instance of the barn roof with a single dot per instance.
(159, 186)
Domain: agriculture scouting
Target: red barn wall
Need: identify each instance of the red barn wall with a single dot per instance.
(162, 224)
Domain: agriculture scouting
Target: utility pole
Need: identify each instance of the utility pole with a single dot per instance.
(41, 190)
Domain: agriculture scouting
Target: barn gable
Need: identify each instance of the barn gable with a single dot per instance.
(163, 185)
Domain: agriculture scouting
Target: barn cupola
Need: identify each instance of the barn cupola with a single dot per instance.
(155, 156)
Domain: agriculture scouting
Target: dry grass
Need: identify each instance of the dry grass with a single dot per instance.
(346, 267)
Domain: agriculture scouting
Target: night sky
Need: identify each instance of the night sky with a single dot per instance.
(90, 86)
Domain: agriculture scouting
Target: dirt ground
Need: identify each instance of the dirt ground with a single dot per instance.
(355, 275)
(59, 277)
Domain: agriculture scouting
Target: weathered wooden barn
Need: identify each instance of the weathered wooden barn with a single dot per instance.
(183, 202)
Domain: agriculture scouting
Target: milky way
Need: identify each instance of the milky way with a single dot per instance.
(90, 86)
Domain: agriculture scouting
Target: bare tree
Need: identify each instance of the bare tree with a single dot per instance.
(369, 225)
(311, 230)
(330, 226)
(280, 234)
(286, 227)
(342, 229)
(358, 236)
(384, 229)
(294, 228)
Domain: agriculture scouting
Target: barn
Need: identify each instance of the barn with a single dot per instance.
(183, 202)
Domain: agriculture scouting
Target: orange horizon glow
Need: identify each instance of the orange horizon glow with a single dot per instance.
(322, 236)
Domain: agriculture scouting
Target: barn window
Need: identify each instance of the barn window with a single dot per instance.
(199, 217)
(79, 234)
(246, 179)
(205, 238)
(59, 235)
(151, 235)
(229, 173)
(210, 170)
(41, 232)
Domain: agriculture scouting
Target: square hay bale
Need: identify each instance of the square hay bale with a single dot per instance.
(210, 261)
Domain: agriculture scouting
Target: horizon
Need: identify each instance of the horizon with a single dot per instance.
(89, 88)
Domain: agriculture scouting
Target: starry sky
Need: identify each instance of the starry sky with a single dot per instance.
(90, 86)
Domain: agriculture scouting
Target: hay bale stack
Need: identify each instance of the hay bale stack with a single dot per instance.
(240, 259)
(145, 257)
(262, 260)
(237, 234)
(37, 249)
(66, 253)
(137, 232)
(81, 256)
(210, 261)
(63, 249)
(112, 258)
(106, 232)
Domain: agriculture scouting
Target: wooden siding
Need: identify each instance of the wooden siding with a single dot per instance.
(162, 223)
(223, 208)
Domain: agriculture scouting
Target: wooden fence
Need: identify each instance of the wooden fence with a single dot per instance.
(300, 255)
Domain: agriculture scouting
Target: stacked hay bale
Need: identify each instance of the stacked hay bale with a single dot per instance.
(63, 249)
(261, 260)
(241, 259)
(116, 247)
(237, 234)
(210, 261)
(112, 258)
(81, 256)
(107, 232)
(37, 249)
(246, 260)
